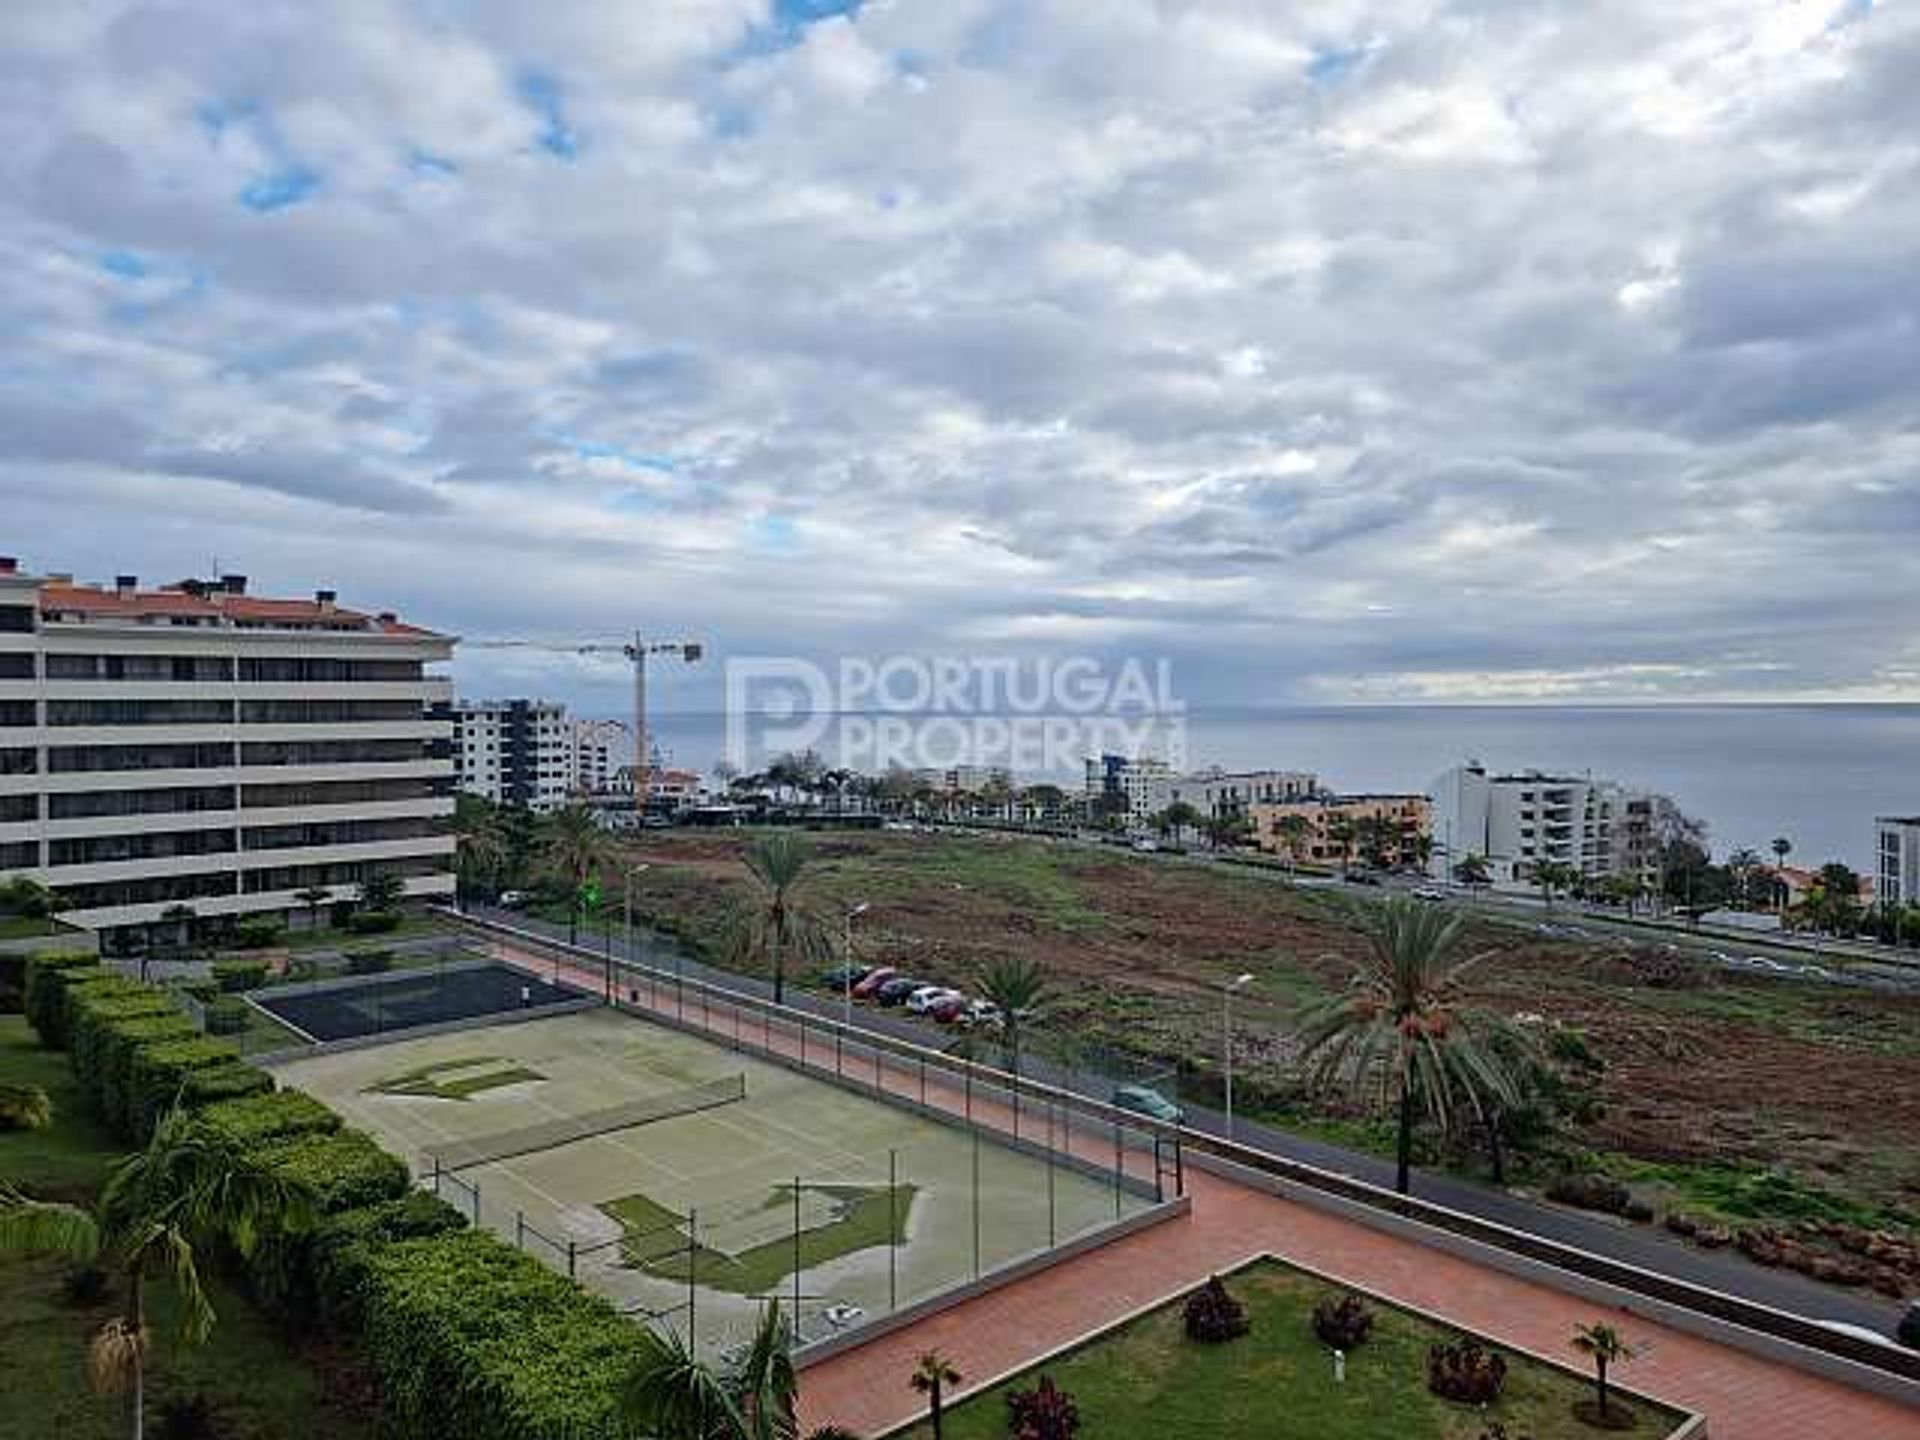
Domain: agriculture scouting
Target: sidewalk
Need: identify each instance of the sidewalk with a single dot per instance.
(1743, 1396)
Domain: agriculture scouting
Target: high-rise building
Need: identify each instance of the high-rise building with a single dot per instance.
(515, 752)
(597, 750)
(1225, 795)
(1897, 854)
(196, 745)
(1132, 787)
(1515, 822)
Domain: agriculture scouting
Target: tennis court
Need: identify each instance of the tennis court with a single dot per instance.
(714, 1179)
(352, 1007)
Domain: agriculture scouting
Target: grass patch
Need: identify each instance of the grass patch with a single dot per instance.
(1738, 1195)
(69, 1160)
(27, 927)
(657, 1240)
(1145, 1380)
(436, 1082)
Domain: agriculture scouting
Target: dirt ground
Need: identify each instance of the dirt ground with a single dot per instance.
(1739, 1069)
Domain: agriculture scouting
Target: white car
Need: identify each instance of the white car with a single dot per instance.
(1146, 847)
(927, 995)
(1427, 892)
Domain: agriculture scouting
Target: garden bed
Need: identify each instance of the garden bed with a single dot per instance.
(1144, 1378)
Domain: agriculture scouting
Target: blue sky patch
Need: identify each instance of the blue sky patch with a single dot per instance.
(542, 95)
(774, 532)
(1333, 63)
(125, 264)
(288, 185)
(430, 166)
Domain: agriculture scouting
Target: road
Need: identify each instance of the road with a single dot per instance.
(1638, 1245)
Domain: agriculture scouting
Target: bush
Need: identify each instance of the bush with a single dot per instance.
(256, 934)
(373, 922)
(24, 1107)
(1590, 1192)
(470, 1337)
(369, 962)
(158, 1078)
(1342, 1322)
(301, 967)
(225, 1016)
(344, 1167)
(13, 983)
(1042, 1413)
(234, 976)
(232, 1081)
(272, 1116)
(1466, 1371)
(1212, 1315)
(48, 974)
(326, 1272)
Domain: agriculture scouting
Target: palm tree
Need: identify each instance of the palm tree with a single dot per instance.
(670, 1395)
(575, 847)
(1402, 1030)
(776, 927)
(381, 890)
(931, 1377)
(1552, 875)
(190, 1188)
(1781, 847)
(1342, 832)
(1605, 1346)
(481, 842)
(1293, 830)
(1473, 870)
(313, 897)
(1015, 986)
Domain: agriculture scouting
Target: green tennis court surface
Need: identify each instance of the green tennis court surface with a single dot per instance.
(696, 1210)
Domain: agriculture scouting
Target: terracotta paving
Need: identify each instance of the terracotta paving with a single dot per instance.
(1743, 1396)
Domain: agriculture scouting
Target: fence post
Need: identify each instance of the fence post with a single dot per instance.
(976, 1204)
(796, 1254)
(572, 1261)
(1052, 1237)
(1119, 1160)
(476, 1202)
(693, 1250)
(520, 1229)
(893, 1230)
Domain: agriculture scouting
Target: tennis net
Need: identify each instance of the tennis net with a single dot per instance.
(566, 1129)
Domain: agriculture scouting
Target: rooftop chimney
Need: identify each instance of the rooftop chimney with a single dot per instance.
(324, 599)
(9, 565)
(125, 585)
(234, 584)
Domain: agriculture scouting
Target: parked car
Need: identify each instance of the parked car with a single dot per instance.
(896, 990)
(1146, 847)
(980, 1012)
(1361, 877)
(842, 976)
(920, 1000)
(1147, 1101)
(864, 987)
(1428, 892)
(514, 899)
(948, 1009)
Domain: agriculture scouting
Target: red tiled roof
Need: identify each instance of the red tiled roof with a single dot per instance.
(171, 601)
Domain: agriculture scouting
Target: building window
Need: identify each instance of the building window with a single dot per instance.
(16, 665)
(16, 619)
(17, 713)
(19, 760)
(139, 712)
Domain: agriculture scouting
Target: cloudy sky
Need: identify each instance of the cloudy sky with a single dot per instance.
(1336, 351)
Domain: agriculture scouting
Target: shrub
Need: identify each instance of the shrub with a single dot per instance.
(1212, 1315)
(234, 976)
(272, 1116)
(13, 982)
(24, 1107)
(1590, 1192)
(301, 967)
(1466, 1371)
(373, 922)
(255, 934)
(157, 1079)
(86, 1285)
(48, 974)
(231, 1081)
(369, 962)
(1045, 1412)
(186, 1417)
(225, 1016)
(1342, 1322)
(344, 1167)
(325, 1272)
(470, 1337)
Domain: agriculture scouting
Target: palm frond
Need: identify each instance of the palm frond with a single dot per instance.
(669, 1394)
(115, 1355)
(42, 1227)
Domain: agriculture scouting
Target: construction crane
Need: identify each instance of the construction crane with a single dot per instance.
(636, 650)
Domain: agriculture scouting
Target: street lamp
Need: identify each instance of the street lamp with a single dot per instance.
(631, 871)
(1227, 992)
(846, 961)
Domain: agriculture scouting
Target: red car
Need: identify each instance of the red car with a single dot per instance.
(872, 981)
(949, 1008)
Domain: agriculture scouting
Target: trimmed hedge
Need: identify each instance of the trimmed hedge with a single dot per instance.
(235, 1080)
(157, 1077)
(323, 1273)
(106, 1024)
(225, 1016)
(270, 1117)
(470, 1337)
(48, 974)
(13, 983)
(344, 1167)
(234, 976)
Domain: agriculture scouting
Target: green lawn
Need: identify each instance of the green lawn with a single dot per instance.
(27, 927)
(658, 1245)
(1147, 1381)
(259, 1387)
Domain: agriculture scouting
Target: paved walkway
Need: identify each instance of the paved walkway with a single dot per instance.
(1743, 1396)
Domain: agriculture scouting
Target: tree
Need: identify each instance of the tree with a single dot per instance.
(1342, 832)
(1293, 831)
(313, 897)
(1781, 847)
(381, 890)
(1473, 870)
(1404, 1031)
(1552, 875)
(670, 1395)
(776, 927)
(481, 844)
(575, 847)
(1015, 986)
(1179, 817)
(1605, 1346)
(1379, 838)
(189, 1189)
(931, 1377)
(1742, 865)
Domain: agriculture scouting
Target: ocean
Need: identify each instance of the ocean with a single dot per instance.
(1817, 774)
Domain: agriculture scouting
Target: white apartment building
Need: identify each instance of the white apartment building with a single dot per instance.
(195, 745)
(597, 756)
(1515, 822)
(1897, 857)
(965, 779)
(1221, 795)
(514, 752)
(1134, 787)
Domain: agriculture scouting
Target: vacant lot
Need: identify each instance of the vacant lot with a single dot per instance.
(1820, 1080)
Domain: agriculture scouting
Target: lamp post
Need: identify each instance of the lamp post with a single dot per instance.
(631, 871)
(1227, 992)
(846, 963)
